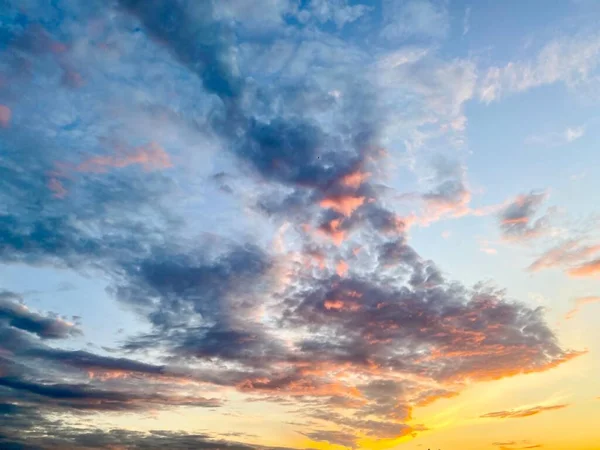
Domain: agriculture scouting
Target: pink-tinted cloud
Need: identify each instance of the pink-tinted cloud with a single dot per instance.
(521, 220)
(5, 116)
(565, 254)
(588, 269)
(354, 179)
(344, 204)
(56, 186)
(579, 303)
(150, 157)
(342, 268)
(332, 229)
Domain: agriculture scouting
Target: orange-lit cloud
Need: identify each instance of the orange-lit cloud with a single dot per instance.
(520, 413)
(521, 219)
(341, 268)
(579, 303)
(355, 179)
(570, 252)
(344, 204)
(339, 305)
(588, 269)
(150, 156)
(333, 231)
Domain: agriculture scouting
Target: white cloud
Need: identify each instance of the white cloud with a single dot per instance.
(467, 21)
(557, 138)
(572, 61)
(421, 18)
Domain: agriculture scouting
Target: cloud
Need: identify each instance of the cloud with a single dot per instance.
(336, 11)
(587, 269)
(572, 61)
(345, 205)
(450, 196)
(17, 315)
(567, 136)
(420, 18)
(350, 340)
(520, 413)
(518, 220)
(579, 302)
(64, 436)
(569, 253)
(467, 21)
(516, 445)
(5, 116)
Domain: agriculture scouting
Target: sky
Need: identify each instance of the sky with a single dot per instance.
(299, 224)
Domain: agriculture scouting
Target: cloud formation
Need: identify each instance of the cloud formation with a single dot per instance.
(571, 253)
(567, 136)
(572, 61)
(579, 303)
(520, 220)
(342, 320)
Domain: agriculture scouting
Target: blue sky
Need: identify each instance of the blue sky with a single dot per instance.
(305, 224)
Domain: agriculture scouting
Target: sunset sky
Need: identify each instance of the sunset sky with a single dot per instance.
(299, 224)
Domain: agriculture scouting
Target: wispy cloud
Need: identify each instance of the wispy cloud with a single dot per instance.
(572, 253)
(553, 139)
(579, 303)
(586, 269)
(572, 61)
(521, 413)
